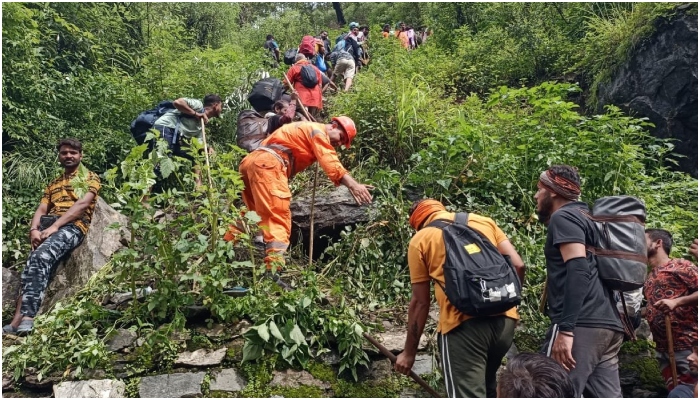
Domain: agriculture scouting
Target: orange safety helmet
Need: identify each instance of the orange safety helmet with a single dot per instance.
(348, 126)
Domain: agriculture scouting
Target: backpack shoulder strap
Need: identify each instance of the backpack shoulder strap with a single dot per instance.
(462, 218)
(439, 223)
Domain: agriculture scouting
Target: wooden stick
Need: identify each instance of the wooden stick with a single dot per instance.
(671, 355)
(303, 108)
(311, 226)
(206, 154)
(313, 193)
(392, 358)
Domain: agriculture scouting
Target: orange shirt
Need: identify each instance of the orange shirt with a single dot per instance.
(403, 36)
(385, 34)
(426, 256)
(306, 142)
(310, 97)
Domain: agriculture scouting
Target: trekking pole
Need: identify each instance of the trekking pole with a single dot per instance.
(206, 155)
(671, 355)
(392, 358)
(313, 192)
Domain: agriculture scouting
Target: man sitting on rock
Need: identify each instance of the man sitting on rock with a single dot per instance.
(59, 225)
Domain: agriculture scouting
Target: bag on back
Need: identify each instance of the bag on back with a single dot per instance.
(145, 121)
(621, 251)
(308, 76)
(308, 46)
(251, 130)
(340, 43)
(479, 281)
(265, 93)
(289, 56)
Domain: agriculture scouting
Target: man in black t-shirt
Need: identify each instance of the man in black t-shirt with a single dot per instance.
(586, 331)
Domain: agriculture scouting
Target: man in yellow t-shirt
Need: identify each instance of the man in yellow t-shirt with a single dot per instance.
(471, 348)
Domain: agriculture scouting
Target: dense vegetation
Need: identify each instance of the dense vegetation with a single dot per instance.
(471, 117)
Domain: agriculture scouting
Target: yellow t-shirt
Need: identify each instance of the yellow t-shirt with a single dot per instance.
(60, 197)
(426, 257)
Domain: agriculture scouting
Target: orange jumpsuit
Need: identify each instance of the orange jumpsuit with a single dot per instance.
(266, 173)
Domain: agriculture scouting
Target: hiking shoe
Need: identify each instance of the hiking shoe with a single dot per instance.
(25, 327)
(9, 329)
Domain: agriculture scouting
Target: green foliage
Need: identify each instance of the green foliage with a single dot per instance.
(613, 35)
(70, 337)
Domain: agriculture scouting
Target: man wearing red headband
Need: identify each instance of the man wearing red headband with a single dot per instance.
(471, 348)
(586, 331)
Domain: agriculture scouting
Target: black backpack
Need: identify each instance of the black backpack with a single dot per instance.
(479, 281)
(620, 248)
(145, 121)
(265, 93)
(308, 76)
(289, 56)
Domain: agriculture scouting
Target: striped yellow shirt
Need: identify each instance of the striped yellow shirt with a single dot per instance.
(59, 197)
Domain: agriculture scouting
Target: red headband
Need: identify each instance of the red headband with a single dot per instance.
(559, 185)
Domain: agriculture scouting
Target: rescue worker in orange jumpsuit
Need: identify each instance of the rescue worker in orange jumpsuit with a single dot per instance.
(267, 170)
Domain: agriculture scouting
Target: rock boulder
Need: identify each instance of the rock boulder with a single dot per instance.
(659, 81)
(88, 258)
(10, 287)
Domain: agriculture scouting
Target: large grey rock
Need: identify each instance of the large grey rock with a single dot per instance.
(423, 364)
(123, 338)
(201, 358)
(187, 384)
(380, 370)
(395, 340)
(659, 81)
(334, 208)
(10, 287)
(293, 379)
(227, 380)
(86, 260)
(94, 389)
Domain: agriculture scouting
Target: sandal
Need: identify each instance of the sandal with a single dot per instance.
(9, 329)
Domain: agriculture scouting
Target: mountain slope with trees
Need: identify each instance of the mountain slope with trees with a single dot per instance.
(498, 92)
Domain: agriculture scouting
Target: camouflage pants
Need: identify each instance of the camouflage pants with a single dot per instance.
(41, 264)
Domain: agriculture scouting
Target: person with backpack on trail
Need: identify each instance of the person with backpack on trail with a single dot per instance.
(344, 65)
(348, 44)
(586, 331)
(266, 173)
(182, 124)
(671, 289)
(471, 346)
(402, 34)
(306, 80)
(386, 31)
(273, 48)
(283, 113)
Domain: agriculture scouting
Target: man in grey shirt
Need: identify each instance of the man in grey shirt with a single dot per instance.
(179, 126)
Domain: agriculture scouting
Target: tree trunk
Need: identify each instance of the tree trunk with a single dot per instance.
(339, 13)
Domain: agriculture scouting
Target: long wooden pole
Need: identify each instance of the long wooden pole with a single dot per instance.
(313, 192)
(392, 358)
(206, 154)
(671, 354)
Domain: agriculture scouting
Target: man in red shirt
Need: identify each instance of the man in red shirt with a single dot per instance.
(311, 97)
(672, 289)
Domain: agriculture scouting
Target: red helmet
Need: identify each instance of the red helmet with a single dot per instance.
(348, 126)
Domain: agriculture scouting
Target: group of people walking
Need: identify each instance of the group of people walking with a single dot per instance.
(580, 354)
(580, 351)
